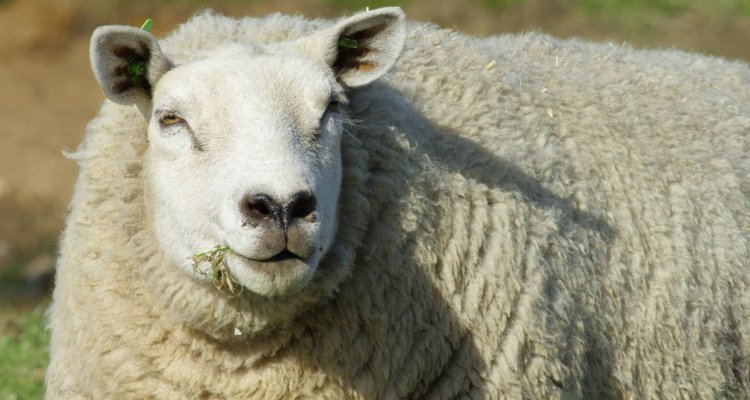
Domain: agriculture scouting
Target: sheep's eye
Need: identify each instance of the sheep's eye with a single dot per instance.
(170, 119)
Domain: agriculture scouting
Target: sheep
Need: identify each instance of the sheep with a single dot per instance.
(454, 217)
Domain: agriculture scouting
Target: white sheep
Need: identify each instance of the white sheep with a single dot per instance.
(508, 217)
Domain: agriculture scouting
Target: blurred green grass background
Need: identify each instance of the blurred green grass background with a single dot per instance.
(44, 40)
(23, 353)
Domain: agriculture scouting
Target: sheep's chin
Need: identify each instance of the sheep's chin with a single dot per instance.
(270, 278)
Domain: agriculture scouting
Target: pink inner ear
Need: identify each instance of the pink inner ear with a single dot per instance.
(348, 58)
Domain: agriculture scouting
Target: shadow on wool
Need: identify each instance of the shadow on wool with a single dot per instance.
(596, 369)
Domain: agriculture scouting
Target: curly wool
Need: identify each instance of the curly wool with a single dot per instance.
(520, 217)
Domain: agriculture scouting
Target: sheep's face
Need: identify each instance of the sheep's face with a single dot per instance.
(250, 160)
(244, 142)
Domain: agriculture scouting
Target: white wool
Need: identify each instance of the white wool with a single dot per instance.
(572, 222)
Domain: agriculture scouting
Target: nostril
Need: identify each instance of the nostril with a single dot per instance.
(258, 210)
(300, 206)
(258, 207)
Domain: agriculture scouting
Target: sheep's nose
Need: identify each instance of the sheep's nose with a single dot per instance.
(259, 207)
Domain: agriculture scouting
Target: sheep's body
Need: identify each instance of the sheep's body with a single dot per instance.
(520, 217)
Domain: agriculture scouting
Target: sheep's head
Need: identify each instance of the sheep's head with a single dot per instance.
(244, 141)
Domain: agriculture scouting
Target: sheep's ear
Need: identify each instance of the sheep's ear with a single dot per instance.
(363, 47)
(127, 63)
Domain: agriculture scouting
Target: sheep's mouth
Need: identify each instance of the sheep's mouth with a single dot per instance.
(281, 274)
(284, 255)
(280, 264)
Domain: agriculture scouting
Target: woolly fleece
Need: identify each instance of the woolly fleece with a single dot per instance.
(520, 217)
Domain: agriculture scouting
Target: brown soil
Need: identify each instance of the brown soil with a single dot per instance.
(47, 92)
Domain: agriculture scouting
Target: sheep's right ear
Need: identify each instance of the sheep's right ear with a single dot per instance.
(360, 48)
(127, 63)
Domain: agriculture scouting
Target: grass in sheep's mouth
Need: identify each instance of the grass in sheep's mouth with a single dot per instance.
(221, 277)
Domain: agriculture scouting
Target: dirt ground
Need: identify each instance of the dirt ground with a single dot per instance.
(47, 92)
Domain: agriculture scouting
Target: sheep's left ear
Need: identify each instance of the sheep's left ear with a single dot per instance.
(361, 48)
